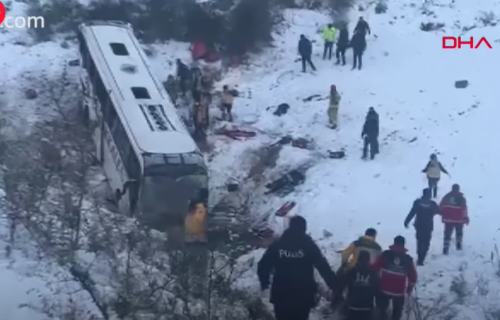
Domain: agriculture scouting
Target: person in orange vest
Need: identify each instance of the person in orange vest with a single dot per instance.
(195, 224)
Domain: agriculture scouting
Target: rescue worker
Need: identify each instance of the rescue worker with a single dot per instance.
(433, 171)
(183, 74)
(454, 214)
(333, 108)
(227, 100)
(342, 44)
(349, 258)
(362, 27)
(398, 276)
(195, 224)
(305, 52)
(292, 260)
(370, 134)
(329, 33)
(362, 286)
(423, 210)
(358, 45)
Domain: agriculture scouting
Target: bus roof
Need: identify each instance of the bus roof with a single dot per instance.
(149, 117)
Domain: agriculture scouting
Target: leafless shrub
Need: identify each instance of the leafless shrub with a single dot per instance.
(460, 287)
(430, 309)
(103, 265)
(487, 18)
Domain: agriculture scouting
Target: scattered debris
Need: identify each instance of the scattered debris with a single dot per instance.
(281, 109)
(285, 208)
(461, 84)
(65, 45)
(315, 97)
(74, 63)
(301, 143)
(235, 133)
(381, 7)
(30, 94)
(431, 26)
(336, 154)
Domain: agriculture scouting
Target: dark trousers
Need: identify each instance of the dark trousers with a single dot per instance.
(291, 312)
(423, 244)
(307, 60)
(358, 59)
(383, 300)
(359, 315)
(338, 292)
(328, 50)
(448, 232)
(340, 54)
(433, 185)
(372, 143)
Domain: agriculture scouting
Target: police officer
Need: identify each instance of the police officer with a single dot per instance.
(292, 260)
(423, 210)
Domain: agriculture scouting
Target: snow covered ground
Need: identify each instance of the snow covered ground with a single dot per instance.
(407, 77)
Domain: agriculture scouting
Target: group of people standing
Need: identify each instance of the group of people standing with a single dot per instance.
(369, 278)
(357, 43)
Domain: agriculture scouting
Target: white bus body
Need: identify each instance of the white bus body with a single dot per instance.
(151, 161)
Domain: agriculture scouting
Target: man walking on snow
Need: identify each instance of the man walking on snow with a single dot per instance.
(333, 108)
(292, 260)
(370, 134)
(423, 210)
(398, 276)
(329, 34)
(305, 52)
(362, 286)
(433, 171)
(454, 213)
(358, 44)
(342, 44)
(362, 27)
(349, 256)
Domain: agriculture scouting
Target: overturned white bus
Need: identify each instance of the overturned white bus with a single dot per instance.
(152, 163)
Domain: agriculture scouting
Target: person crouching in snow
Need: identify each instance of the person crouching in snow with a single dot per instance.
(433, 171)
(227, 100)
(333, 108)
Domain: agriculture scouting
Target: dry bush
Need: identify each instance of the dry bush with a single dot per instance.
(103, 265)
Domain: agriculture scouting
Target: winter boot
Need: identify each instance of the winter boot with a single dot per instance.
(446, 251)
(338, 62)
(459, 245)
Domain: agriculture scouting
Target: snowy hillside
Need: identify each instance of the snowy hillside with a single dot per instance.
(407, 77)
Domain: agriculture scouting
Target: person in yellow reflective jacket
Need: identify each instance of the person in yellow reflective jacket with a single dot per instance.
(329, 34)
(350, 258)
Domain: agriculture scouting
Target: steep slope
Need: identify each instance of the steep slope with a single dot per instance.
(409, 79)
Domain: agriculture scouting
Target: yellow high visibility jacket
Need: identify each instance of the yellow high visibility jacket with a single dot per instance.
(329, 34)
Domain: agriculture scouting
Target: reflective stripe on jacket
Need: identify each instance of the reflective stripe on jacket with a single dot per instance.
(365, 243)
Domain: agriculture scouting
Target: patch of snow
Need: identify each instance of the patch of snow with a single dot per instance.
(406, 77)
